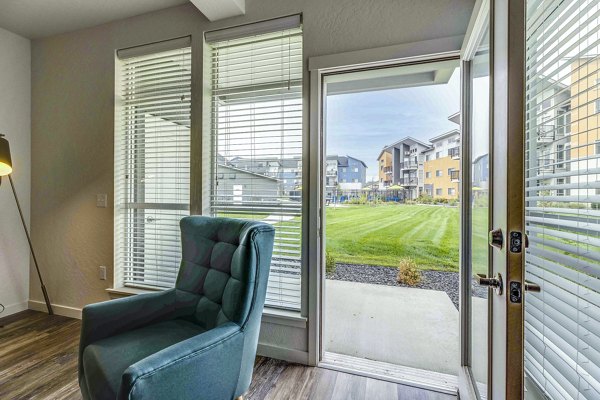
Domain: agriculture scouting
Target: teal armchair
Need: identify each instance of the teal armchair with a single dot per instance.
(196, 341)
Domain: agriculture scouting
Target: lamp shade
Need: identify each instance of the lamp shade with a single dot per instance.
(5, 160)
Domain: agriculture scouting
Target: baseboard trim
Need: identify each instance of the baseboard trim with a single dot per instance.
(281, 353)
(11, 309)
(65, 311)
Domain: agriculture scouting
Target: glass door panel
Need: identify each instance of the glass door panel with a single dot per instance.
(480, 202)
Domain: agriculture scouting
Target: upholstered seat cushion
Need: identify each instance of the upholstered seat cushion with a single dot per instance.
(105, 361)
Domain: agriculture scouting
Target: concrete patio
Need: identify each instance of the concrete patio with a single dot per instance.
(410, 327)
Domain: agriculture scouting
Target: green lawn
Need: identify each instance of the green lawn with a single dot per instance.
(384, 234)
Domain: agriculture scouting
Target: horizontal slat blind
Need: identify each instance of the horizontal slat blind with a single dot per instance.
(152, 164)
(257, 146)
(562, 323)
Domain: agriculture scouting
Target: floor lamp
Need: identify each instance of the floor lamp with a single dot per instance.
(6, 170)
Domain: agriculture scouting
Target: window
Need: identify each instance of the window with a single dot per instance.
(355, 169)
(343, 169)
(427, 157)
(451, 191)
(597, 106)
(438, 172)
(438, 192)
(438, 154)
(450, 171)
(427, 174)
(257, 113)
(152, 161)
(355, 180)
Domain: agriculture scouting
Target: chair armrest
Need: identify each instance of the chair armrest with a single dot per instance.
(206, 366)
(109, 318)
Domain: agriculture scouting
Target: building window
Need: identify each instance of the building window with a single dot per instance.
(438, 154)
(438, 192)
(356, 169)
(343, 169)
(597, 146)
(450, 171)
(438, 172)
(149, 140)
(451, 191)
(427, 157)
(597, 106)
(243, 91)
(428, 174)
(355, 180)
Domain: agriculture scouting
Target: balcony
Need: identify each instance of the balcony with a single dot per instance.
(545, 134)
(409, 181)
(410, 165)
(388, 170)
(455, 176)
(454, 153)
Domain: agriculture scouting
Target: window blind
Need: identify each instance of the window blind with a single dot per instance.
(562, 323)
(152, 161)
(257, 144)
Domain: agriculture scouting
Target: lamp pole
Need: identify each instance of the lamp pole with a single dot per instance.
(37, 268)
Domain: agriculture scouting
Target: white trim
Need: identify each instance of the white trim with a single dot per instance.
(283, 317)
(13, 309)
(476, 29)
(425, 51)
(281, 353)
(381, 56)
(420, 378)
(65, 311)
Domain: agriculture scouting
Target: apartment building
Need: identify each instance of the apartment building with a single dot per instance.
(583, 149)
(344, 173)
(442, 166)
(401, 164)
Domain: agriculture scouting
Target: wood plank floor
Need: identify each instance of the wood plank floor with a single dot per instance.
(38, 360)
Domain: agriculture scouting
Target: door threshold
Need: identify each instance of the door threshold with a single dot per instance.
(420, 378)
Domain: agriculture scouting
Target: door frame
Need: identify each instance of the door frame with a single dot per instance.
(319, 67)
(480, 21)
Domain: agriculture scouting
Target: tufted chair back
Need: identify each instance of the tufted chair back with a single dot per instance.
(224, 268)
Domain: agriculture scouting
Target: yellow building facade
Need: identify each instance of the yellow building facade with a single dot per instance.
(441, 169)
(385, 172)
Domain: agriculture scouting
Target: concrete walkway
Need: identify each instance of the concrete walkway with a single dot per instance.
(405, 326)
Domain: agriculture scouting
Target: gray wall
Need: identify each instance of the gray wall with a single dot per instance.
(73, 117)
(15, 117)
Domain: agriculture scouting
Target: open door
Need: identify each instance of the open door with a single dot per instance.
(493, 237)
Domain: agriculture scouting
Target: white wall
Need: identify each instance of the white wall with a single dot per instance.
(15, 123)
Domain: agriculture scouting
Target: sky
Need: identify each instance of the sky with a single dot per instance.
(361, 124)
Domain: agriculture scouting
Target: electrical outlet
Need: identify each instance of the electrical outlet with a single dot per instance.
(102, 200)
(102, 272)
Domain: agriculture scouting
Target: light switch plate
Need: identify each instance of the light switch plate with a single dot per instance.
(102, 272)
(102, 200)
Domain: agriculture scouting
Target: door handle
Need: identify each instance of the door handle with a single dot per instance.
(532, 287)
(493, 283)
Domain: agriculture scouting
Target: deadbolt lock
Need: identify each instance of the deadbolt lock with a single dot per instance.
(496, 238)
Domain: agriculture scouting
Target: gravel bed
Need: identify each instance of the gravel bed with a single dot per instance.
(434, 280)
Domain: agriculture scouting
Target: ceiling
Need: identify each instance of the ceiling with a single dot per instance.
(40, 18)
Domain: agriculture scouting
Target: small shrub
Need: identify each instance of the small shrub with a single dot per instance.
(408, 273)
(329, 263)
